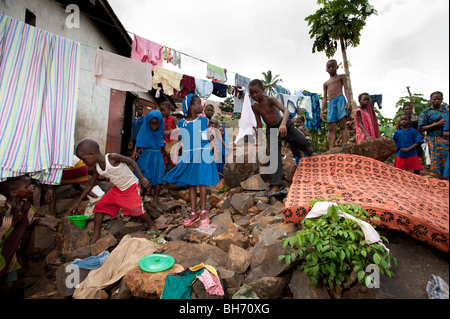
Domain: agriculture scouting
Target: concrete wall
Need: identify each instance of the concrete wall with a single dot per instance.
(93, 101)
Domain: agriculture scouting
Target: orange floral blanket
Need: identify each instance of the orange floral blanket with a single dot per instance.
(416, 205)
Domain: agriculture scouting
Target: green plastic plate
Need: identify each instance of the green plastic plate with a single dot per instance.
(156, 263)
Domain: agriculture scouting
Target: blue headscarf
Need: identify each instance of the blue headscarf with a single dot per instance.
(147, 138)
(187, 104)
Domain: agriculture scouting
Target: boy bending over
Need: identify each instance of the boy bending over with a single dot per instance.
(126, 191)
(268, 108)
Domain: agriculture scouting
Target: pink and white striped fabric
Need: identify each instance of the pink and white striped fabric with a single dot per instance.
(39, 75)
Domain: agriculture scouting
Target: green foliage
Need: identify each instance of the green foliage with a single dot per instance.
(338, 20)
(270, 82)
(331, 248)
(420, 104)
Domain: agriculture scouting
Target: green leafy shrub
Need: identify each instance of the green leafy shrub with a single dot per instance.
(331, 247)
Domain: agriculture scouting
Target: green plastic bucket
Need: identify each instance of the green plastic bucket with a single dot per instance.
(79, 220)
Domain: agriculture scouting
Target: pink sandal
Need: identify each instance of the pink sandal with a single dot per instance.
(204, 222)
(191, 222)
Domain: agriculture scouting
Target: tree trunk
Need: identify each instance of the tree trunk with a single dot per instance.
(347, 70)
(351, 117)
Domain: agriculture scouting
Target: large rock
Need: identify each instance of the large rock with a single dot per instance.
(71, 238)
(264, 262)
(42, 240)
(301, 287)
(268, 287)
(380, 149)
(148, 285)
(238, 259)
(231, 237)
(241, 168)
(190, 255)
(68, 278)
(254, 183)
(241, 203)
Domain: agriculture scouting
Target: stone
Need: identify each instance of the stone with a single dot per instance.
(103, 244)
(198, 288)
(70, 238)
(238, 259)
(289, 167)
(301, 287)
(268, 287)
(43, 288)
(122, 291)
(264, 261)
(142, 284)
(42, 240)
(230, 278)
(216, 200)
(131, 227)
(254, 183)
(172, 205)
(237, 171)
(190, 255)
(379, 149)
(230, 237)
(242, 222)
(80, 253)
(68, 277)
(177, 234)
(241, 203)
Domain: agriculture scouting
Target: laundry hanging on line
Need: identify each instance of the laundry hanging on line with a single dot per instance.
(39, 74)
(147, 51)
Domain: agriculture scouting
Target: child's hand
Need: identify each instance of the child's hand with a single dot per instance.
(73, 208)
(321, 115)
(404, 150)
(282, 131)
(53, 226)
(145, 183)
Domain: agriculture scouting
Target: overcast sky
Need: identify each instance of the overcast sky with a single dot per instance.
(406, 44)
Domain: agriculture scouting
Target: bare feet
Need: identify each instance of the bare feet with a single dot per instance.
(94, 239)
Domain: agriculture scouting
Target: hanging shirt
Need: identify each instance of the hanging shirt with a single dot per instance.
(203, 88)
(147, 51)
(216, 73)
(170, 80)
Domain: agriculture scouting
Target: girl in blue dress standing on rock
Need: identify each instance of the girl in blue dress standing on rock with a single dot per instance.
(149, 144)
(196, 166)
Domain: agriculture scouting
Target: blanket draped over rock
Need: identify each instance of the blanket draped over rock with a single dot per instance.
(123, 258)
(416, 205)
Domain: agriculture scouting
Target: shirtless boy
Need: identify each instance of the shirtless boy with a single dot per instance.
(268, 108)
(338, 107)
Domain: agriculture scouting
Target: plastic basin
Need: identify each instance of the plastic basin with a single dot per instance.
(79, 220)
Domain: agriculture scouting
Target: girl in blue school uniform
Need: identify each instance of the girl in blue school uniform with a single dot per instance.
(196, 166)
(149, 144)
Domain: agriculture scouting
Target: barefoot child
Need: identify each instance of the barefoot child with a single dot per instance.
(126, 191)
(407, 139)
(366, 121)
(150, 149)
(16, 215)
(279, 127)
(338, 107)
(196, 167)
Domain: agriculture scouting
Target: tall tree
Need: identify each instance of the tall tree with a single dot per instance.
(270, 82)
(339, 21)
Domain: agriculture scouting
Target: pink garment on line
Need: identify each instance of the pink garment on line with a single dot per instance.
(147, 51)
(211, 283)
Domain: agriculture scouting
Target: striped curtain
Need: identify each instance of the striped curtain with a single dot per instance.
(39, 75)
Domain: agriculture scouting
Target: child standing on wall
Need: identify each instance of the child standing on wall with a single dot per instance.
(150, 149)
(407, 139)
(170, 132)
(124, 195)
(339, 108)
(196, 167)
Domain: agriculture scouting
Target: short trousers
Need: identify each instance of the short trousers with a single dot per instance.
(129, 200)
(336, 109)
(411, 163)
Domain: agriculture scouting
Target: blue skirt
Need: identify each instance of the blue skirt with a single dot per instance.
(195, 167)
(151, 164)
